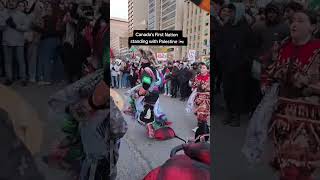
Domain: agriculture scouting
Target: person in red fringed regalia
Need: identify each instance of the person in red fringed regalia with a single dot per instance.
(294, 127)
(201, 84)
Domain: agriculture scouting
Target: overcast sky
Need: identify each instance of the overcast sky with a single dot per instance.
(119, 8)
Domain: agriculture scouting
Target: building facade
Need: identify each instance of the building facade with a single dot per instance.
(196, 27)
(154, 10)
(137, 15)
(171, 18)
(118, 34)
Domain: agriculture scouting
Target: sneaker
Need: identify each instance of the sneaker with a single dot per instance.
(169, 95)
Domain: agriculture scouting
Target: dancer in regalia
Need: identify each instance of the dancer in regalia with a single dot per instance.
(199, 101)
(144, 98)
(294, 127)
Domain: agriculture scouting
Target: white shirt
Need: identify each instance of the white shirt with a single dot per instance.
(15, 37)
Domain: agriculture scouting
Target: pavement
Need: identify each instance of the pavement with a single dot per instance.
(146, 153)
(228, 161)
(138, 154)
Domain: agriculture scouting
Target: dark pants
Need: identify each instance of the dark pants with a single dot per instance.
(72, 66)
(185, 90)
(133, 81)
(241, 91)
(175, 87)
(48, 55)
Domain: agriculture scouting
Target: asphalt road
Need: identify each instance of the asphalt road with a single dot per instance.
(146, 153)
(138, 154)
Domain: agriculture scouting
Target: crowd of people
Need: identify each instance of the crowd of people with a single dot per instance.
(178, 75)
(266, 55)
(147, 78)
(49, 41)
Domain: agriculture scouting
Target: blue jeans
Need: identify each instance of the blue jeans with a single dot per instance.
(32, 55)
(114, 81)
(48, 53)
(125, 80)
(167, 87)
(8, 52)
(119, 79)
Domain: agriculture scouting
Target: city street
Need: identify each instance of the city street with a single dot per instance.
(145, 154)
(138, 154)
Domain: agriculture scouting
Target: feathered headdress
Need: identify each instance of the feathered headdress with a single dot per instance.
(148, 56)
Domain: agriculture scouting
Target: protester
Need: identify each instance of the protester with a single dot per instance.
(49, 43)
(174, 80)
(3, 18)
(290, 9)
(271, 33)
(217, 24)
(184, 77)
(168, 77)
(234, 44)
(33, 40)
(13, 43)
(114, 74)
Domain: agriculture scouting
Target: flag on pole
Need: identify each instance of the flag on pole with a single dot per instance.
(203, 4)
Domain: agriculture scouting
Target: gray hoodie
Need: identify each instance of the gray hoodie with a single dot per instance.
(15, 37)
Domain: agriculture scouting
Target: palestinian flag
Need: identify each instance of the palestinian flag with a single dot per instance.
(203, 4)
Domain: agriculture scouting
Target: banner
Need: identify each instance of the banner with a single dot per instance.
(162, 56)
(192, 55)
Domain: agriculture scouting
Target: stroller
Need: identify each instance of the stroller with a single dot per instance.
(194, 164)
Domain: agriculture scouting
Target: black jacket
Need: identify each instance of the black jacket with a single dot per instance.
(234, 46)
